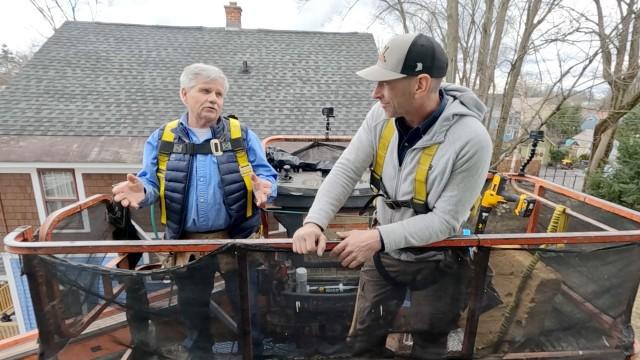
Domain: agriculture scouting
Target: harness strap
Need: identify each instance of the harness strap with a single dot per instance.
(419, 201)
(377, 261)
(163, 159)
(368, 204)
(207, 148)
(375, 179)
(420, 194)
(237, 145)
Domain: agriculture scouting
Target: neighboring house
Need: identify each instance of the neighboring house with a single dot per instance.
(589, 121)
(74, 120)
(581, 144)
(591, 118)
(525, 113)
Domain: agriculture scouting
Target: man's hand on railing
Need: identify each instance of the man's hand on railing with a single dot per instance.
(356, 247)
(129, 193)
(309, 238)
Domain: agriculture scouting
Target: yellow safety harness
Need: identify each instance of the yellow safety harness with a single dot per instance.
(237, 145)
(420, 193)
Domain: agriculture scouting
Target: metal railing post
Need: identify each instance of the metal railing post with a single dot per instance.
(480, 267)
(245, 304)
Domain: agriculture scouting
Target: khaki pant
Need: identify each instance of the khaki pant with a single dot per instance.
(226, 261)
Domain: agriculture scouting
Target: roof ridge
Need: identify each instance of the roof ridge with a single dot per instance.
(216, 28)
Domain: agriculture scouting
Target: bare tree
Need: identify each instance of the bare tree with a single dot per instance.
(10, 63)
(452, 38)
(468, 41)
(488, 37)
(488, 57)
(620, 65)
(557, 93)
(55, 12)
(536, 13)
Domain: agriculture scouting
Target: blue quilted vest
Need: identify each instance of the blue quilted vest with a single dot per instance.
(177, 178)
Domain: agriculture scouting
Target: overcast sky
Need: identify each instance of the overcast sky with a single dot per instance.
(21, 25)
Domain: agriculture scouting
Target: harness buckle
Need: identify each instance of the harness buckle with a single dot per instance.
(216, 147)
(420, 207)
(392, 204)
(246, 170)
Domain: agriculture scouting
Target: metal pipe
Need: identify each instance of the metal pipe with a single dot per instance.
(552, 204)
(4, 218)
(535, 214)
(582, 197)
(245, 304)
(15, 242)
(481, 264)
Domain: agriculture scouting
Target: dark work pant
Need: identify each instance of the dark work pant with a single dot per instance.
(435, 309)
(195, 283)
(137, 304)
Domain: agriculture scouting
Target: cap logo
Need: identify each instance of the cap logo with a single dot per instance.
(382, 56)
(418, 66)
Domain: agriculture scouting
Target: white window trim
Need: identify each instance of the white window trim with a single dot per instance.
(79, 185)
(37, 192)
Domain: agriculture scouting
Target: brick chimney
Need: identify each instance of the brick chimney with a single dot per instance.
(234, 14)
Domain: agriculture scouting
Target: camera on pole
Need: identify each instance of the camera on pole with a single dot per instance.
(328, 114)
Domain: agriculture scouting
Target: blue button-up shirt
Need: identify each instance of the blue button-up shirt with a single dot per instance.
(205, 207)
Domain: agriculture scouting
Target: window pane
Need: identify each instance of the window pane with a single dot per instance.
(58, 184)
(53, 205)
(72, 222)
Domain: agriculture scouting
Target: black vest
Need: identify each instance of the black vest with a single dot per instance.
(177, 180)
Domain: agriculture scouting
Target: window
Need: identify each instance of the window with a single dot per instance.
(59, 190)
(508, 134)
(514, 119)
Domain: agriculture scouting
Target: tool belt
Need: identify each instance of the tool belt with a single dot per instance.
(455, 262)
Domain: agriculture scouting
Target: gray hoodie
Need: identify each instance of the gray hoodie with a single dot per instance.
(458, 172)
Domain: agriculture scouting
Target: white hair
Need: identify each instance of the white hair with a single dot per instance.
(194, 73)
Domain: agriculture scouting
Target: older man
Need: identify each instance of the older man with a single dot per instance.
(210, 174)
(430, 155)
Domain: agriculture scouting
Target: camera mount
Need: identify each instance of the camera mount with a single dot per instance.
(328, 114)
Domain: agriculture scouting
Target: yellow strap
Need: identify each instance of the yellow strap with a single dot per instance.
(243, 162)
(167, 135)
(476, 206)
(385, 140)
(422, 173)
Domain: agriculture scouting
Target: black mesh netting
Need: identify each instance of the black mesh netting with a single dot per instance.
(567, 299)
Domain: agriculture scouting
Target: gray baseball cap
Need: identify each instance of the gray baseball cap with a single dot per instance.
(408, 55)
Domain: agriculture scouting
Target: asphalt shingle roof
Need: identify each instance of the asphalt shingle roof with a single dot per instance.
(99, 79)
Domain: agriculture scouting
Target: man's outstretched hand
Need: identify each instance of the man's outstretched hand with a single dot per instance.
(309, 238)
(129, 193)
(261, 190)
